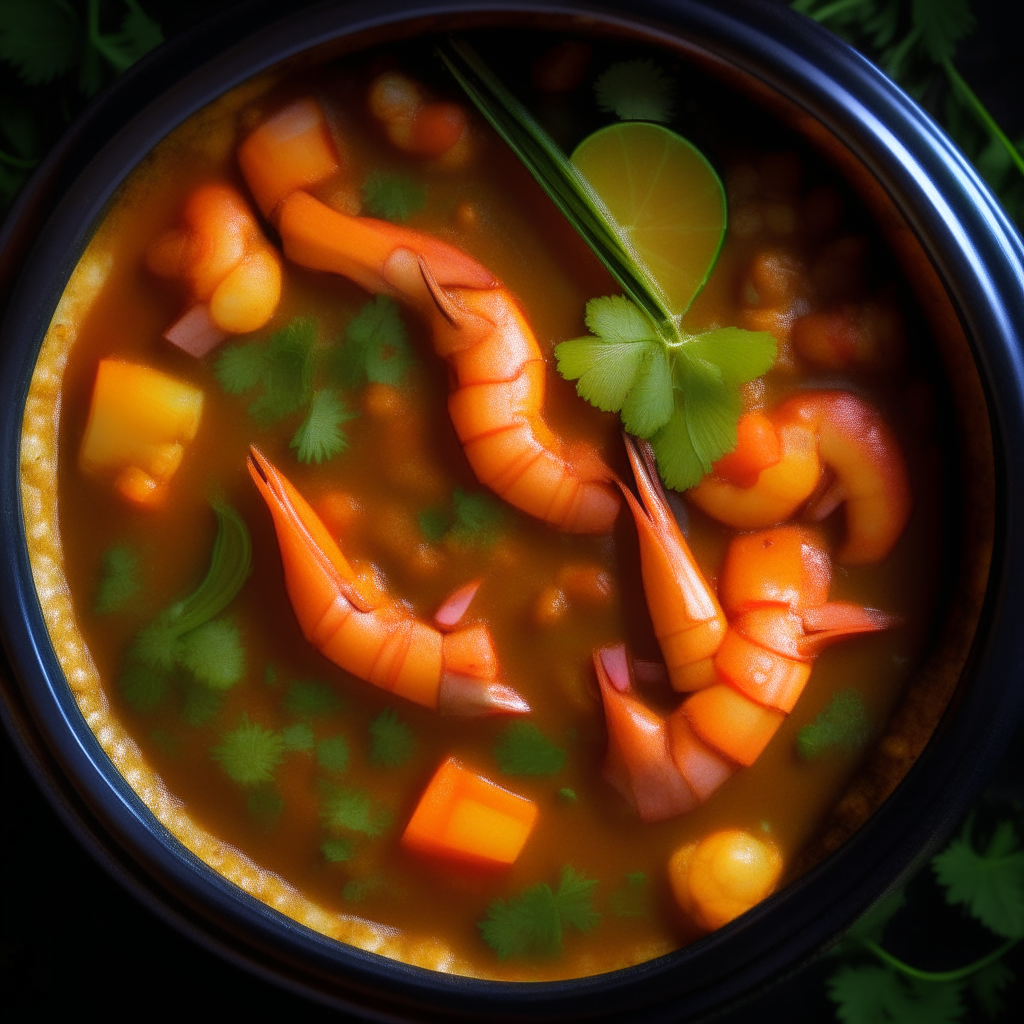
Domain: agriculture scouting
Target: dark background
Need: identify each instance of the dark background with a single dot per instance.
(75, 945)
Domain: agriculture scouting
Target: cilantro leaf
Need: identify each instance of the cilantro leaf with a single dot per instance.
(636, 90)
(40, 38)
(354, 811)
(265, 804)
(282, 366)
(310, 698)
(201, 704)
(332, 754)
(119, 580)
(142, 686)
(139, 34)
(478, 517)
(375, 348)
(336, 850)
(942, 24)
(392, 741)
(632, 899)
(297, 737)
(991, 884)
(843, 724)
(320, 436)
(524, 750)
(213, 653)
(877, 995)
(394, 197)
(532, 923)
(987, 986)
(568, 795)
(684, 396)
(357, 889)
(434, 523)
(249, 754)
(574, 900)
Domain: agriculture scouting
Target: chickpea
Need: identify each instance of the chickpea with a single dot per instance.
(723, 875)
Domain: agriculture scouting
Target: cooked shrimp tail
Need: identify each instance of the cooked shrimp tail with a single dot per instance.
(352, 622)
(688, 620)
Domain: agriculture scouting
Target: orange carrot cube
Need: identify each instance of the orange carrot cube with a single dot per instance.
(464, 816)
(139, 422)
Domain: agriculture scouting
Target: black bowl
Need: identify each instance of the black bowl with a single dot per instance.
(960, 230)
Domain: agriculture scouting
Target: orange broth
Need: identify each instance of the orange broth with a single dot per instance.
(406, 458)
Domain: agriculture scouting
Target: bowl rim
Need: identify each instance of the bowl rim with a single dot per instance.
(979, 257)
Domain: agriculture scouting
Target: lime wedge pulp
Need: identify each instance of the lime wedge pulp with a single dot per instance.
(666, 198)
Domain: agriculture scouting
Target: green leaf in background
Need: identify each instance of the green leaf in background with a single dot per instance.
(40, 38)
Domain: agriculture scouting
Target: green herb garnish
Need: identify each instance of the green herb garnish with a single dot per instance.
(187, 636)
(201, 704)
(392, 196)
(310, 698)
(332, 754)
(375, 347)
(320, 436)
(636, 90)
(249, 754)
(119, 580)
(679, 390)
(265, 804)
(632, 899)
(990, 885)
(337, 850)
(524, 750)
(842, 725)
(532, 923)
(567, 795)
(391, 741)
(283, 366)
(297, 737)
(434, 523)
(354, 811)
(474, 517)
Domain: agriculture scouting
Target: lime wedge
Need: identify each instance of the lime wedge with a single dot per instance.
(666, 198)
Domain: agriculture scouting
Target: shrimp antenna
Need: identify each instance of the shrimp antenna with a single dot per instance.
(446, 307)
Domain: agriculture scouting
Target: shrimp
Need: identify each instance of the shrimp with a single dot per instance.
(497, 366)
(367, 633)
(233, 273)
(819, 431)
(745, 661)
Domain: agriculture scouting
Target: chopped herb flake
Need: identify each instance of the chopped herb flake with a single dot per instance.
(524, 750)
(265, 804)
(632, 899)
(375, 347)
(336, 850)
(532, 923)
(320, 437)
(391, 741)
(332, 754)
(249, 754)
(358, 889)
(297, 737)
(310, 698)
(636, 90)
(354, 811)
(434, 523)
(568, 795)
(201, 704)
(119, 580)
(842, 725)
(143, 686)
(392, 197)
(213, 653)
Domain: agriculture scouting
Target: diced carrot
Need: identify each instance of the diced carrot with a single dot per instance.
(464, 816)
(774, 280)
(732, 723)
(292, 150)
(757, 448)
(139, 419)
(454, 607)
(588, 584)
(829, 340)
(436, 127)
(787, 565)
(393, 96)
(139, 487)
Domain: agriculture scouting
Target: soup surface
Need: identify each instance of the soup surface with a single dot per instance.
(312, 773)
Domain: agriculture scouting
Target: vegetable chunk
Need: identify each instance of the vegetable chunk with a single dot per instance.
(139, 423)
(464, 816)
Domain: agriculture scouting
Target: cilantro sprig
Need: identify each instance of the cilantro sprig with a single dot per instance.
(250, 753)
(636, 90)
(680, 391)
(843, 724)
(394, 197)
(119, 580)
(523, 749)
(533, 923)
(392, 742)
(375, 346)
(473, 518)
(188, 638)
